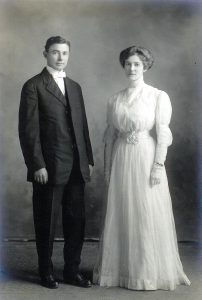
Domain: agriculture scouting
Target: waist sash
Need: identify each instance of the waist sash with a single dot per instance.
(134, 137)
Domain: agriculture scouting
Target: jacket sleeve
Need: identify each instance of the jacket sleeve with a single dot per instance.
(29, 130)
(86, 132)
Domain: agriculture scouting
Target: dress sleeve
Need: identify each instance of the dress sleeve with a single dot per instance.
(164, 135)
(110, 135)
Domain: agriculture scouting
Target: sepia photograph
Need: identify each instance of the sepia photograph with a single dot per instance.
(100, 149)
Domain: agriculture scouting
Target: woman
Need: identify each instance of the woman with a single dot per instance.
(138, 248)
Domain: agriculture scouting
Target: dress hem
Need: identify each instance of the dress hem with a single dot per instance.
(140, 284)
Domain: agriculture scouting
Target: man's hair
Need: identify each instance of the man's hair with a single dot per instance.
(55, 40)
(144, 55)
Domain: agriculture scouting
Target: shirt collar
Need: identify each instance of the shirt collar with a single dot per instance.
(53, 71)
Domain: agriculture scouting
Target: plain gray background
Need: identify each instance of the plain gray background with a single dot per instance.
(98, 30)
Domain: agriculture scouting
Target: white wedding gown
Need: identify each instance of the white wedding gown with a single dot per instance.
(138, 246)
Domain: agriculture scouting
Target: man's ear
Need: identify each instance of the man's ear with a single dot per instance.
(45, 54)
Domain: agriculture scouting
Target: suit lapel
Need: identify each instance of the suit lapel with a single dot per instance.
(52, 87)
(72, 95)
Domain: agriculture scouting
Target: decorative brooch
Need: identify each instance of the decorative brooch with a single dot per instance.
(133, 138)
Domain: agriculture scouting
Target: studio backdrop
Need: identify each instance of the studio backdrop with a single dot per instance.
(98, 30)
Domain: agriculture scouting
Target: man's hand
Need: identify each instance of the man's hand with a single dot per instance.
(91, 170)
(41, 176)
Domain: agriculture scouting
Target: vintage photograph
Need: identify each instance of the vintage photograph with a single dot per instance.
(100, 149)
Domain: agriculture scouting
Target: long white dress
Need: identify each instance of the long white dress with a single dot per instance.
(138, 246)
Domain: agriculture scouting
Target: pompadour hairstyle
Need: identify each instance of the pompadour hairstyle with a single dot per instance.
(144, 55)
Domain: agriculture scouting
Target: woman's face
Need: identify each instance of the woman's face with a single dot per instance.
(134, 68)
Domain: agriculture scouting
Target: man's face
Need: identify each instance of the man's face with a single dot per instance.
(57, 56)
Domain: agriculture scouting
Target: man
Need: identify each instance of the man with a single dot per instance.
(55, 142)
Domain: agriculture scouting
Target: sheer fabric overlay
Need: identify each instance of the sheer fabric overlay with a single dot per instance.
(138, 246)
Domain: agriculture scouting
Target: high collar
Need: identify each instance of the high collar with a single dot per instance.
(137, 83)
(53, 71)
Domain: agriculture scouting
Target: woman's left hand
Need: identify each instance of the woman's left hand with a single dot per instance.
(155, 179)
(156, 172)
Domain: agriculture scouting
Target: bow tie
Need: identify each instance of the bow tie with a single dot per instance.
(59, 75)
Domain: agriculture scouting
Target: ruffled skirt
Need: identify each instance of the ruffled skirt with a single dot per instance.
(138, 246)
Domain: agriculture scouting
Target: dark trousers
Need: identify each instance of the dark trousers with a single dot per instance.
(47, 200)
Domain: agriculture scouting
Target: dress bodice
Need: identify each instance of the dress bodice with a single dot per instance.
(137, 110)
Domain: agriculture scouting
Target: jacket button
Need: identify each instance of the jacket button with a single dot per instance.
(72, 146)
(66, 111)
(69, 129)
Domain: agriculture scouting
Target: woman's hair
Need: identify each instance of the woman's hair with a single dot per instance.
(144, 55)
(55, 40)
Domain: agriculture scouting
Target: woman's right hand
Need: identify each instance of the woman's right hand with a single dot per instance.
(107, 177)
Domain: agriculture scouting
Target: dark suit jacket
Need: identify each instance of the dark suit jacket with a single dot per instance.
(44, 129)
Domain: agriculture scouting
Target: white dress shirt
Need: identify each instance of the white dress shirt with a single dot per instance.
(58, 77)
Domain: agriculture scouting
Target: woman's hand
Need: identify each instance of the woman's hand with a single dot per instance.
(155, 180)
(41, 176)
(107, 177)
(156, 172)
